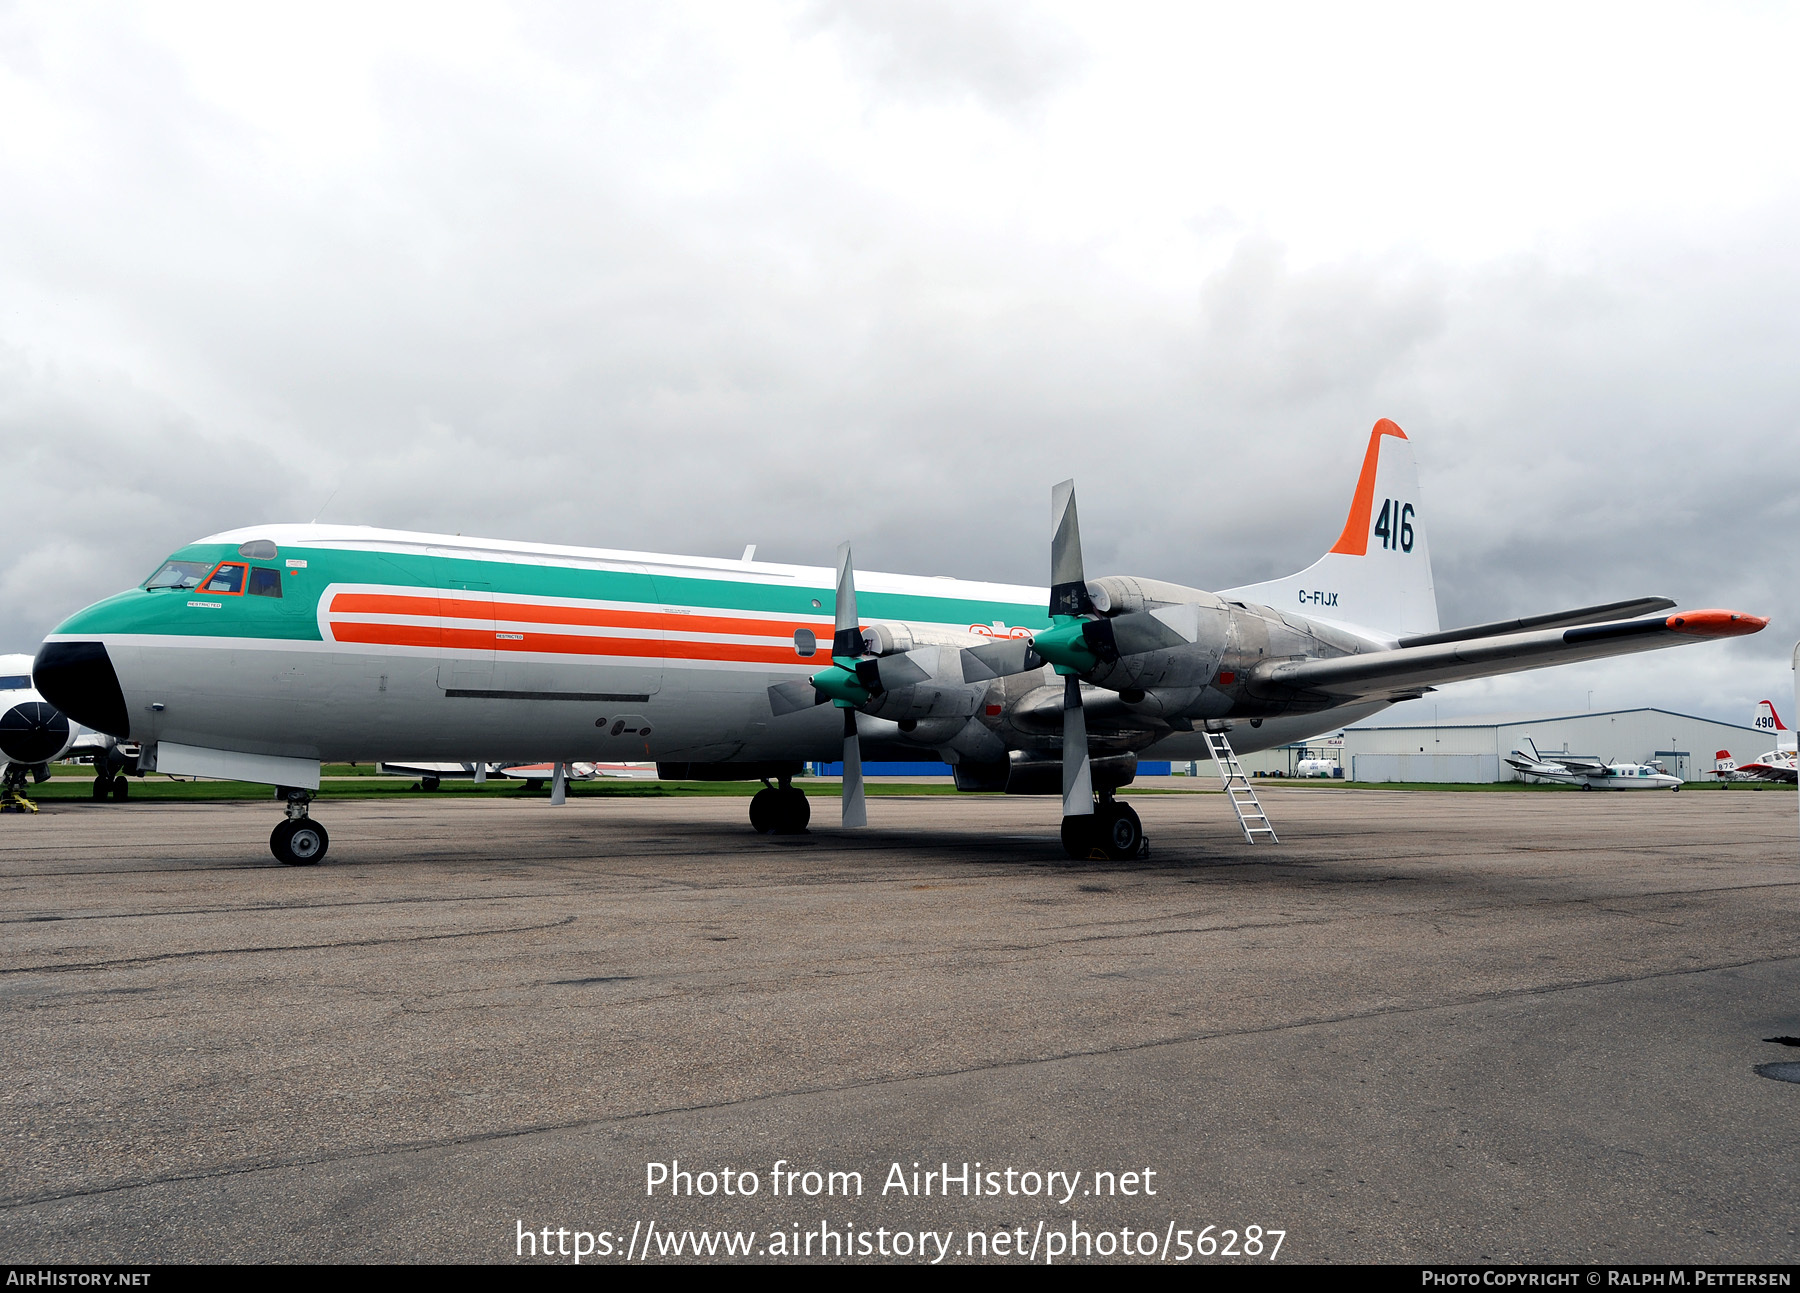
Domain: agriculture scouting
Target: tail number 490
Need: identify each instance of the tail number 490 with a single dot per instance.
(1394, 526)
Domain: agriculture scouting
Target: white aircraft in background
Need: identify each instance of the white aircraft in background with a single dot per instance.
(1590, 773)
(34, 734)
(258, 653)
(1780, 764)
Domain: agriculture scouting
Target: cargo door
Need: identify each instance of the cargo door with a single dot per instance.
(466, 637)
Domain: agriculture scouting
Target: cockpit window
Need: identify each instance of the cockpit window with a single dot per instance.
(228, 578)
(264, 583)
(179, 574)
(259, 550)
(14, 682)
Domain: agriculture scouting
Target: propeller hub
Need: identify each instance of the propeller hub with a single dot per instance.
(1067, 646)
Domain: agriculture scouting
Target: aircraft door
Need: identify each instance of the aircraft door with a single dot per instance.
(466, 617)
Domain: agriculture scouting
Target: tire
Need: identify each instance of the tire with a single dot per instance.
(1674, 790)
(534, 783)
(1080, 837)
(121, 789)
(429, 783)
(764, 812)
(101, 786)
(1586, 786)
(794, 811)
(299, 843)
(1121, 833)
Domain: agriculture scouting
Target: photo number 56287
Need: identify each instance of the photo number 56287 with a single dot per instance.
(1253, 1241)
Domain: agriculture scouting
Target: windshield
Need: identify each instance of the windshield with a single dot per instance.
(179, 574)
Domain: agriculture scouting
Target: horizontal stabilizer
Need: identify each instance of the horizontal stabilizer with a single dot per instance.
(1554, 620)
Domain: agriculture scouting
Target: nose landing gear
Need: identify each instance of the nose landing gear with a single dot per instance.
(781, 810)
(299, 840)
(12, 791)
(1112, 834)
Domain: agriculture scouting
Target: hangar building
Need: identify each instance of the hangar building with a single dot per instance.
(1475, 749)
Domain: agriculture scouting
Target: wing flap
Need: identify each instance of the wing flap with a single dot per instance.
(1407, 669)
(1554, 620)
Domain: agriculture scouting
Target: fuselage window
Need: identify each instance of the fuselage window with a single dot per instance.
(178, 574)
(228, 578)
(265, 583)
(15, 682)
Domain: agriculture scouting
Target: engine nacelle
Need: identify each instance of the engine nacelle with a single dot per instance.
(34, 732)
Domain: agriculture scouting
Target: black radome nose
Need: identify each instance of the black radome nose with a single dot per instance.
(32, 732)
(78, 678)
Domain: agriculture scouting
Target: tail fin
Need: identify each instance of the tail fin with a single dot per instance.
(1377, 576)
(1767, 720)
(1529, 748)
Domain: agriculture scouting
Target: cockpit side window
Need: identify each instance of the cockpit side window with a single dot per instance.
(178, 574)
(228, 578)
(264, 582)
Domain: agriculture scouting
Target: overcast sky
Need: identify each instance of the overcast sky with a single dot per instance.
(686, 277)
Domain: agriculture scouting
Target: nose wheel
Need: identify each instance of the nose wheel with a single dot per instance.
(781, 810)
(1113, 833)
(299, 840)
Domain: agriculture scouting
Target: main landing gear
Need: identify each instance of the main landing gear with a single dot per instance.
(118, 789)
(779, 810)
(1112, 834)
(299, 840)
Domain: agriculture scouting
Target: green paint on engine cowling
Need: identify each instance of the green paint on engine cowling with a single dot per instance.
(1065, 647)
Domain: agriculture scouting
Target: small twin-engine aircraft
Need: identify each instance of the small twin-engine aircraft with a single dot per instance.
(34, 734)
(257, 653)
(1780, 764)
(1590, 773)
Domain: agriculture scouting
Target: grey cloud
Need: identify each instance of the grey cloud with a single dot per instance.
(1005, 56)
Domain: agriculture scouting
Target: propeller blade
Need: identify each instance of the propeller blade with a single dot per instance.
(1068, 585)
(999, 660)
(792, 697)
(846, 638)
(856, 812)
(1158, 630)
(1078, 779)
(895, 671)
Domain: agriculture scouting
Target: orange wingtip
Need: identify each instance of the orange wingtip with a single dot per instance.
(1717, 624)
(1354, 541)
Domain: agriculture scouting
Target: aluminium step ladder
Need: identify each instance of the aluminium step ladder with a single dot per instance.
(1238, 789)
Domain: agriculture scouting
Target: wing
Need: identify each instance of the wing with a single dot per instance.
(1405, 671)
(1770, 772)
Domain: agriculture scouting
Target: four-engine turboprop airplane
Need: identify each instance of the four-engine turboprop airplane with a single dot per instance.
(257, 653)
(1590, 773)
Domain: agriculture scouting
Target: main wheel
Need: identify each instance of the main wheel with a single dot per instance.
(1080, 836)
(1121, 833)
(121, 789)
(299, 843)
(101, 786)
(764, 812)
(428, 783)
(793, 811)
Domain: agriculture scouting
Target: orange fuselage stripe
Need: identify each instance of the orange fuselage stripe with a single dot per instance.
(482, 640)
(591, 616)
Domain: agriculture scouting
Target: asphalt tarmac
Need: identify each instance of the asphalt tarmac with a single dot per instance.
(1426, 1027)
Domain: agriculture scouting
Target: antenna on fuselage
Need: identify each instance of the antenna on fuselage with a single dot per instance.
(327, 503)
